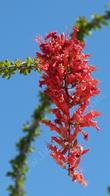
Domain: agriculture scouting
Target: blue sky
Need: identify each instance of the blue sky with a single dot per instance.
(20, 22)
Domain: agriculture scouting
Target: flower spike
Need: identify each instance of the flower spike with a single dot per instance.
(68, 82)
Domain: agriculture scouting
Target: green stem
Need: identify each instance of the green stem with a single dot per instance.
(8, 68)
(85, 27)
(24, 147)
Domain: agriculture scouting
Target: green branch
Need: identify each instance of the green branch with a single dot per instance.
(108, 189)
(86, 27)
(24, 146)
(8, 68)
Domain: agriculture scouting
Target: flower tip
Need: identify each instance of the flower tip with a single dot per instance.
(98, 128)
(85, 183)
(75, 31)
(50, 35)
(39, 39)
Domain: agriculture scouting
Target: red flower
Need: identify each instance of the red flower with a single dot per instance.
(67, 80)
(80, 178)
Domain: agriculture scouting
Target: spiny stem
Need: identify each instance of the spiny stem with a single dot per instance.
(24, 147)
(8, 68)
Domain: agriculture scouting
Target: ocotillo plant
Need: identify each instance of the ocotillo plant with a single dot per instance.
(19, 164)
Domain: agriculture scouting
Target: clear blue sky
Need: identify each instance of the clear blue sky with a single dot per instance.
(20, 22)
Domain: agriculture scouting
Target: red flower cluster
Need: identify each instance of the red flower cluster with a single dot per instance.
(70, 86)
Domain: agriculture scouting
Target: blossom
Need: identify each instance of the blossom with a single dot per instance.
(68, 81)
